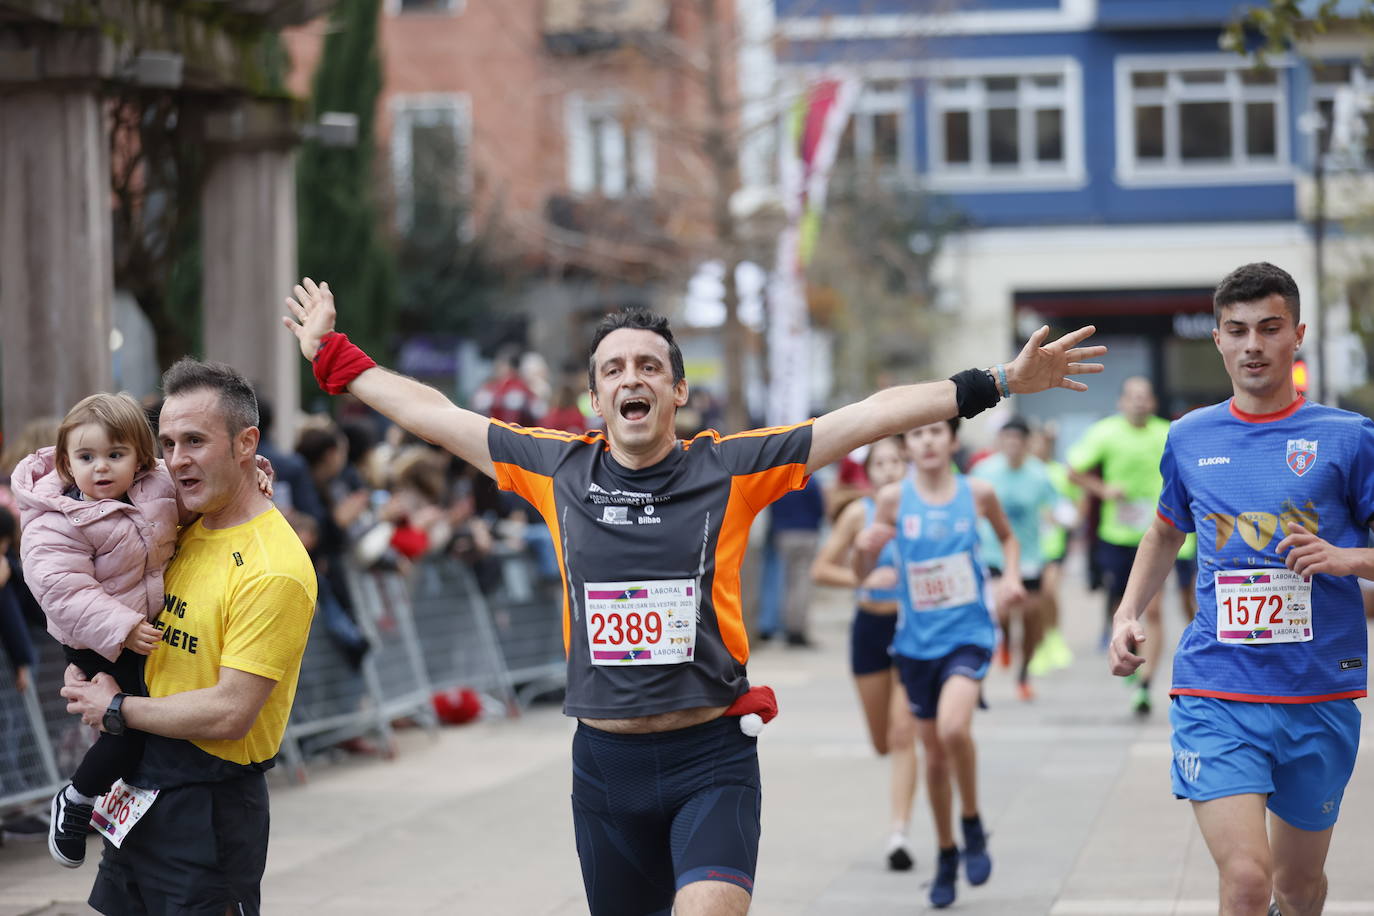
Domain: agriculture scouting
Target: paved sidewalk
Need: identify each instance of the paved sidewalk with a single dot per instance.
(1075, 793)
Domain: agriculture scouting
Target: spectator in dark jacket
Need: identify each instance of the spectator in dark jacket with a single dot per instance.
(795, 526)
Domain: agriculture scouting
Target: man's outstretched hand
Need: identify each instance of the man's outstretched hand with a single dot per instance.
(1040, 366)
(312, 315)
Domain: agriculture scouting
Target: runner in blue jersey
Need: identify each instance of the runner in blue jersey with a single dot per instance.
(1280, 491)
(891, 727)
(946, 634)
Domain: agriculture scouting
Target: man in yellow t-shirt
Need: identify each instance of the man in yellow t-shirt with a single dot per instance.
(239, 597)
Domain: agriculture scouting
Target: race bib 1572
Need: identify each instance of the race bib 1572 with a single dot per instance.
(1256, 606)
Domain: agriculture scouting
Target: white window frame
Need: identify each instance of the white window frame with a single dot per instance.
(1030, 175)
(621, 179)
(408, 109)
(1173, 171)
(449, 8)
(873, 102)
(1326, 92)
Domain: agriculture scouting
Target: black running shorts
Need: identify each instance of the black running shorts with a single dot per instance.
(199, 851)
(658, 811)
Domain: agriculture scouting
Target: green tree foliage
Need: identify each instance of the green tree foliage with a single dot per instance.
(1280, 23)
(339, 220)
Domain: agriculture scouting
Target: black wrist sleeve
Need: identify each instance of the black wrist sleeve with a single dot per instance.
(974, 392)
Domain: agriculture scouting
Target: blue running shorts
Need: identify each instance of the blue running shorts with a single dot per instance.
(870, 641)
(923, 678)
(654, 812)
(1299, 754)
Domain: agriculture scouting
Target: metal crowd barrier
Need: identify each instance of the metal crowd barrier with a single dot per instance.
(527, 612)
(28, 769)
(430, 631)
(40, 744)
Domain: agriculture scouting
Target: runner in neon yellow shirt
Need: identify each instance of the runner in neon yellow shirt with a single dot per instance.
(1053, 652)
(1126, 448)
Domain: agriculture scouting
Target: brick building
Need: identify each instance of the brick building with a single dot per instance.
(577, 130)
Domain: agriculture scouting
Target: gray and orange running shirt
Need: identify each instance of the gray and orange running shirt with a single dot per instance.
(650, 558)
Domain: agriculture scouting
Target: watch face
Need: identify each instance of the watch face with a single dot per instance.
(113, 720)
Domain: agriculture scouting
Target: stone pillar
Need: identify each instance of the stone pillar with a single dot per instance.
(248, 244)
(56, 265)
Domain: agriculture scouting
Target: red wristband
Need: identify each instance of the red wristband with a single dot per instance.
(339, 361)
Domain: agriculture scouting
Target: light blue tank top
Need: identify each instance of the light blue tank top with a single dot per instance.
(941, 575)
(888, 557)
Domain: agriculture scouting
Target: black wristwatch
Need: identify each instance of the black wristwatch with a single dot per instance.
(113, 720)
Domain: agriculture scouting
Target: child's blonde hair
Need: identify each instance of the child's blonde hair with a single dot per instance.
(122, 419)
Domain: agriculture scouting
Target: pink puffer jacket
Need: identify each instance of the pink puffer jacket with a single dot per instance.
(95, 566)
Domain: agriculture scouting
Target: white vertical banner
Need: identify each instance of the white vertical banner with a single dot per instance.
(806, 154)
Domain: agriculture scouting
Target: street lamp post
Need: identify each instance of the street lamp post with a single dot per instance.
(1312, 124)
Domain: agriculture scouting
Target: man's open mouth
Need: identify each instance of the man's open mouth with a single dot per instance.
(634, 408)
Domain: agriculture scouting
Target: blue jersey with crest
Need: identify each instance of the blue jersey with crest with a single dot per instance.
(888, 557)
(928, 533)
(1238, 480)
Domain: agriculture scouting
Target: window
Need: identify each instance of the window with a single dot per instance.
(430, 136)
(1204, 117)
(1014, 123)
(876, 137)
(609, 153)
(1328, 80)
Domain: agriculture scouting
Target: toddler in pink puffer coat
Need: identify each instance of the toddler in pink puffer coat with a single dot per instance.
(100, 516)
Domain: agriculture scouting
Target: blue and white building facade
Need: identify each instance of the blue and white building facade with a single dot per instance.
(1109, 162)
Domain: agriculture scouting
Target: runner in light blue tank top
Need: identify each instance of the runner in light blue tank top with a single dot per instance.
(891, 726)
(946, 635)
(943, 575)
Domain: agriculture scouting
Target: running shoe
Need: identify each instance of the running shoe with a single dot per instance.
(977, 862)
(1274, 910)
(1140, 703)
(899, 854)
(1043, 661)
(1024, 692)
(67, 830)
(1004, 655)
(946, 873)
(1061, 656)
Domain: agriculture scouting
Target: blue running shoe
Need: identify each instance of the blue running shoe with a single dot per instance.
(977, 863)
(946, 873)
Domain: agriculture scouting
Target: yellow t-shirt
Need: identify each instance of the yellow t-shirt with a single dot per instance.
(241, 598)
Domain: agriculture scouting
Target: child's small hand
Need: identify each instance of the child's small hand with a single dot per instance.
(143, 638)
(265, 483)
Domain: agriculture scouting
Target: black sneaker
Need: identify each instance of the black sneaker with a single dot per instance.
(67, 831)
(1274, 910)
(898, 854)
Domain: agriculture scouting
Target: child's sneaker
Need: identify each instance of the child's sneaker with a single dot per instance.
(946, 873)
(977, 862)
(68, 828)
(899, 853)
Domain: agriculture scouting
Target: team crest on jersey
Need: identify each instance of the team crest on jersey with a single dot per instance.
(911, 526)
(1302, 454)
